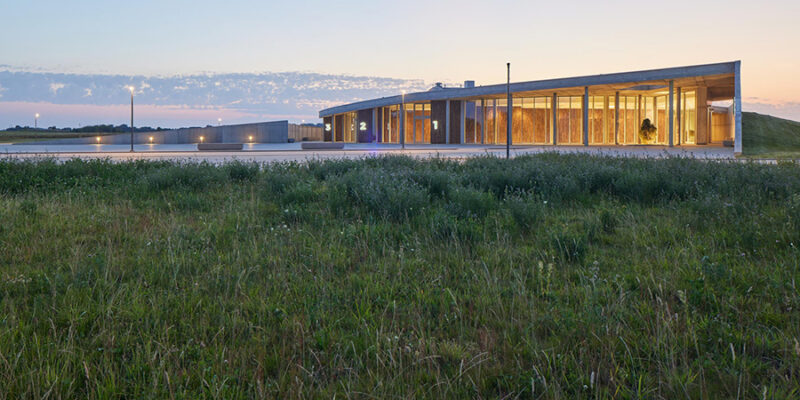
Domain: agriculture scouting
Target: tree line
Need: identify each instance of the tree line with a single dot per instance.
(123, 128)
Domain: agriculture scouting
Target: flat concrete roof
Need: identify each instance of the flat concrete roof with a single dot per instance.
(724, 71)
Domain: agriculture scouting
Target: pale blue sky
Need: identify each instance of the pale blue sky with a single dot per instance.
(431, 40)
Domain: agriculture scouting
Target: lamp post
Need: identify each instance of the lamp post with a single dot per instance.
(510, 110)
(131, 89)
(36, 121)
(219, 121)
(403, 119)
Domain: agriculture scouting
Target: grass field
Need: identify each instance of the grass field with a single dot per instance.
(766, 136)
(552, 276)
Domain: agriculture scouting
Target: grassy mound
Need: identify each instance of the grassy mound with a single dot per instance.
(550, 276)
(768, 136)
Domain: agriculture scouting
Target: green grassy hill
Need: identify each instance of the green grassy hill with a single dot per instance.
(768, 136)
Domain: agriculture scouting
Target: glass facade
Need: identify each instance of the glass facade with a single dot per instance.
(390, 127)
(597, 109)
(490, 134)
(569, 117)
(689, 117)
(533, 120)
(349, 127)
(470, 109)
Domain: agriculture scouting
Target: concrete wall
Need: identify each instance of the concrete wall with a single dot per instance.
(262, 132)
(301, 132)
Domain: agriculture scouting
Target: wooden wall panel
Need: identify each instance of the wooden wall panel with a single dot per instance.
(702, 116)
(438, 115)
(339, 128)
(516, 122)
(455, 122)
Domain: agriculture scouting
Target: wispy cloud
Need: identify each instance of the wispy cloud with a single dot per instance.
(298, 94)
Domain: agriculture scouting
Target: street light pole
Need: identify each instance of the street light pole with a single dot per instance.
(131, 88)
(36, 121)
(510, 110)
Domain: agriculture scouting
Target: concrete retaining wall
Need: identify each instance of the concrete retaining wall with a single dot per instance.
(262, 132)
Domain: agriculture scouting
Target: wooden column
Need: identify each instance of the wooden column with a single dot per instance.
(555, 118)
(586, 116)
(616, 118)
(678, 117)
(702, 115)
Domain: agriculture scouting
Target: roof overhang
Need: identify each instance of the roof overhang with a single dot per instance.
(718, 77)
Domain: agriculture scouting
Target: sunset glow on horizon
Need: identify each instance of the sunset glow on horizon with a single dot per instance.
(448, 42)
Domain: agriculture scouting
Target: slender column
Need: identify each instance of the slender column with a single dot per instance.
(494, 118)
(639, 118)
(701, 104)
(377, 129)
(678, 117)
(509, 112)
(671, 112)
(483, 121)
(463, 119)
(616, 118)
(131, 119)
(555, 118)
(586, 116)
(447, 122)
(402, 124)
(737, 109)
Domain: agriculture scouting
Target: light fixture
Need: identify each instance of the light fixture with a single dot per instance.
(250, 138)
(151, 139)
(202, 139)
(97, 139)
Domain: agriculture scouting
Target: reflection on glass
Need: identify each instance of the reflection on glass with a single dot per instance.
(479, 121)
(469, 122)
(489, 117)
(689, 117)
(501, 121)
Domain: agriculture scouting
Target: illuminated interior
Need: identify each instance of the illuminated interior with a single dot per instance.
(613, 114)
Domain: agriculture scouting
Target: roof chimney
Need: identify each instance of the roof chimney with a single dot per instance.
(469, 84)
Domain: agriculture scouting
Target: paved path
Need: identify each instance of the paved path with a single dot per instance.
(293, 152)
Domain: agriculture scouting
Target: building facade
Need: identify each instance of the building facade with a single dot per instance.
(693, 105)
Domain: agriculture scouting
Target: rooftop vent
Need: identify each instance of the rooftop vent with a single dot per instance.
(469, 84)
(437, 86)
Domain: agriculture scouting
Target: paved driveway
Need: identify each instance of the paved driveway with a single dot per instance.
(293, 152)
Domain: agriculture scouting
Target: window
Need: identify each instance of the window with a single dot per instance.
(489, 118)
(569, 115)
(469, 122)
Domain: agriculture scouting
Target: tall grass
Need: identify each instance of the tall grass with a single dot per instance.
(550, 276)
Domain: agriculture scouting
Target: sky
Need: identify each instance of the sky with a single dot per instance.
(399, 44)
